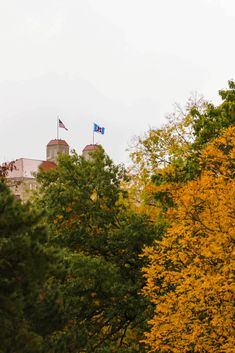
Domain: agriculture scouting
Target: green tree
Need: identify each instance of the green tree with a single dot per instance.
(93, 304)
(209, 123)
(23, 268)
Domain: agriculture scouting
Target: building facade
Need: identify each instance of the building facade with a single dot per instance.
(22, 178)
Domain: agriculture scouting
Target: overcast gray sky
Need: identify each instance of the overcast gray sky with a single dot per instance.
(119, 63)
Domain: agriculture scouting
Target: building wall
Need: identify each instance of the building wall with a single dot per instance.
(54, 150)
(21, 179)
(22, 188)
(24, 168)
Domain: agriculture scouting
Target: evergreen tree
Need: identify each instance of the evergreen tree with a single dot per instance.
(23, 268)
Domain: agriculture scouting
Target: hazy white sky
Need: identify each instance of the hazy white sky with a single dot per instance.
(120, 63)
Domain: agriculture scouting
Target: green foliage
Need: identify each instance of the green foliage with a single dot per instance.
(81, 199)
(95, 299)
(23, 267)
(210, 123)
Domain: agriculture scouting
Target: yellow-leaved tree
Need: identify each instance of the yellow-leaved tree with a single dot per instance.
(190, 273)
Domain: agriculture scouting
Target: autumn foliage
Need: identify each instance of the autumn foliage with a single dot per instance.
(189, 278)
(102, 260)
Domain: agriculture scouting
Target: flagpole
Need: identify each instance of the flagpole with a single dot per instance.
(93, 135)
(57, 127)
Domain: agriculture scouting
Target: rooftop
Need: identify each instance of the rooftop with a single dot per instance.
(57, 142)
(90, 147)
(46, 165)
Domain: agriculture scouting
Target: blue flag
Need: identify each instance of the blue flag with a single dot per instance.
(98, 129)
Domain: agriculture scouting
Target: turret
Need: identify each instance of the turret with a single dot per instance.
(88, 150)
(54, 147)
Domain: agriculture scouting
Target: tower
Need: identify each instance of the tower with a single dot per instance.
(54, 147)
(87, 151)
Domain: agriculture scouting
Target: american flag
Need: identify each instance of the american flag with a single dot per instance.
(61, 124)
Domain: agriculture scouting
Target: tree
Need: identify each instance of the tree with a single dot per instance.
(209, 123)
(4, 169)
(181, 139)
(166, 158)
(23, 269)
(189, 277)
(95, 298)
(169, 144)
